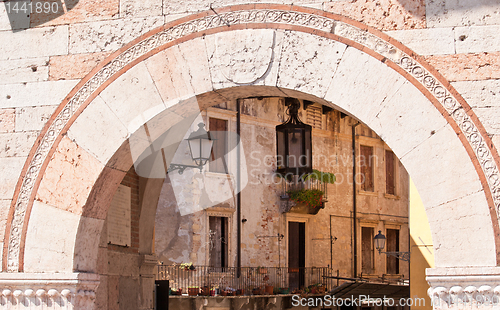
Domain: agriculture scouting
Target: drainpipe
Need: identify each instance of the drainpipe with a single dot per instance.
(238, 195)
(354, 211)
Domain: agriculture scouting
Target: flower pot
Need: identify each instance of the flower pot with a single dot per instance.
(193, 291)
(204, 291)
(240, 292)
(269, 289)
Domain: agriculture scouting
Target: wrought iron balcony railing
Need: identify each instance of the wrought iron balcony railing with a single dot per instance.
(205, 280)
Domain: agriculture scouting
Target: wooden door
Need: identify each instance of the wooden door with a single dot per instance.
(296, 253)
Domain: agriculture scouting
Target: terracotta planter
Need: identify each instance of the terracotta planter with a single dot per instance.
(269, 289)
(240, 292)
(204, 291)
(193, 291)
(256, 291)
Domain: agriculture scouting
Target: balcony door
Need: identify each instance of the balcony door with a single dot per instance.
(296, 253)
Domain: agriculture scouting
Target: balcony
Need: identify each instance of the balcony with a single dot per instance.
(258, 281)
(304, 197)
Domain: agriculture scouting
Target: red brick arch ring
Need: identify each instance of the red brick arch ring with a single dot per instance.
(62, 196)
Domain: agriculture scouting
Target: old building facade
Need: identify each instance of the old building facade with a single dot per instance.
(86, 90)
(208, 237)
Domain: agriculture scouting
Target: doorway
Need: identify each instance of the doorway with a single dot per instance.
(296, 253)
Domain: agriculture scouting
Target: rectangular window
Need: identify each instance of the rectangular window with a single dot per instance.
(366, 168)
(367, 250)
(392, 263)
(390, 173)
(218, 131)
(218, 236)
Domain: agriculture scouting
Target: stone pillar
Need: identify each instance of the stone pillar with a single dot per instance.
(147, 281)
(464, 287)
(75, 291)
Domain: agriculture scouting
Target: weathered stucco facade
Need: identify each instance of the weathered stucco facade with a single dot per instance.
(183, 238)
(76, 89)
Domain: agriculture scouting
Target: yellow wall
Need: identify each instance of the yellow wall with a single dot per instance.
(422, 253)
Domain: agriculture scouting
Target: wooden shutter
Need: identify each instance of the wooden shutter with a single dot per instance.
(390, 173)
(392, 263)
(218, 130)
(367, 250)
(315, 116)
(366, 168)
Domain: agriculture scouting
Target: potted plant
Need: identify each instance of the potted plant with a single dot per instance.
(187, 266)
(240, 292)
(311, 198)
(308, 200)
(193, 290)
(256, 291)
(205, 291)
(269, 289)
(261, 270)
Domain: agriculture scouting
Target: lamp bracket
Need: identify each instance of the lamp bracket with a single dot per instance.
(404, 256)
(181, 168)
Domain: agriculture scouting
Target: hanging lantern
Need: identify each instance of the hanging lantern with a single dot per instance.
(293, 143)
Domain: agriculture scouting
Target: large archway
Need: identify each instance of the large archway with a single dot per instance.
(294, 52)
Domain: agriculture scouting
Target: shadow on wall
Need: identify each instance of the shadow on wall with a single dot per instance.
(418, 284)
(24, 14)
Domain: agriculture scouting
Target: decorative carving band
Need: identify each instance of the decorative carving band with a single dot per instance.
(464, 288)
(64, 292)
(462, 297)
(267, 18)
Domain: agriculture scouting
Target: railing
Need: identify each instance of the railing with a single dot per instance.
(252, 281)
(311, 184)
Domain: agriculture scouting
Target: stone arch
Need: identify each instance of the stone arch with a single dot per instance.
(353, 68)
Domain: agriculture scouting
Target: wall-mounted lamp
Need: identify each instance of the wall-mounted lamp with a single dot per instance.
(200, 148)
(379, 241)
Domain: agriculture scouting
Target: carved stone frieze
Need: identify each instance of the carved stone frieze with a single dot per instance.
(267, 18)
(464, 288)
(65, 292)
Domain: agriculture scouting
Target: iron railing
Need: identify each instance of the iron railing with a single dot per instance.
(253, 280)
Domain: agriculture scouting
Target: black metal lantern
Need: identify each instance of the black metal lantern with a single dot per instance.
(200, 145)
(293, 143)
(379, 240)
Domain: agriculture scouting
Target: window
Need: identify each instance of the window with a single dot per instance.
(390, 173)
(392, 263)
(366, 168)
(218, 235)
(367, 250)
(218, 131)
